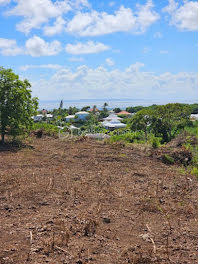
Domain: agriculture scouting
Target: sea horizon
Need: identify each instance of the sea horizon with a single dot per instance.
(112, 103)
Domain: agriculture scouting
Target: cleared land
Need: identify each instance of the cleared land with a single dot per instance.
(87, 202)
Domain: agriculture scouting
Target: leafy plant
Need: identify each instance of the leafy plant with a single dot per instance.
(168, 159)
(16, 104)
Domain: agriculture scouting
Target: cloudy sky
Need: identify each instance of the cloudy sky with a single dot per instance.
(84, 49)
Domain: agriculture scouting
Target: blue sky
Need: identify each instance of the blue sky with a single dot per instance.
(76, 49)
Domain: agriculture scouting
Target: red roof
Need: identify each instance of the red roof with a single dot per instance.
(123, 113)
(96, 110)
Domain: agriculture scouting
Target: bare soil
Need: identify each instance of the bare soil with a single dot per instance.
(89, 202)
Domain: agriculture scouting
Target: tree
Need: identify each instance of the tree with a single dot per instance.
(168, 119)
(72, 110)
(134, 109)
(163, 120)
(85, 108)
(105, 107)
(94, 109)
(16, 104)
(117, 110)
(142, 121)
(61, 104)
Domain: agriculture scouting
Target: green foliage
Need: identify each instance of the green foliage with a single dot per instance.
(134, 109)
(141, 121)
(168, 159)
(117, 110)
(48, 129)
(133, 137)
(72, 110)
(194, 108)
(155, 142)
(85, 108)
(194, 171)
(163, 121)
(16, 104)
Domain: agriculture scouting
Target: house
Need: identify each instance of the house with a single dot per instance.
(194, 117)
(82, 116)
(49, 116)
(112, 117)
(112, 122)
(38, 118)
(124, 113)
(69, 118)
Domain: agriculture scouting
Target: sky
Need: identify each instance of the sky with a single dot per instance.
(88, 49)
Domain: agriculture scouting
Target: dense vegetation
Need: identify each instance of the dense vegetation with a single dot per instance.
(16, 104)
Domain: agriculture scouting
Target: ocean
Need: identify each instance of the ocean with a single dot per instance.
(112, 103)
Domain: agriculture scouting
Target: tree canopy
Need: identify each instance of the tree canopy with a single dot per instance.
(163, 120)
(16, 104)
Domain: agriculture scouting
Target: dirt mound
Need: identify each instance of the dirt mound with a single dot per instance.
(182, 139)
(169, 155)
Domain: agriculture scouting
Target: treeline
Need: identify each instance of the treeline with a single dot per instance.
(135, 109)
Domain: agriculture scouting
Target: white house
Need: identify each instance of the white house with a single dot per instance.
(83, 116)
(37, 118)
(194, 116)
(111, 125)
(49, 116)
(69, 118)
(112, 122)
(112, 117)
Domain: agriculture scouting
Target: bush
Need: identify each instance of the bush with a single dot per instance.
(168, 159)
(130, 137)
(154, 141)
(48, 129)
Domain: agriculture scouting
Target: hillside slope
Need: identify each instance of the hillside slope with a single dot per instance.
(87, 202)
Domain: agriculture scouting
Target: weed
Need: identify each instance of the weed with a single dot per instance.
(168, 159)
(194, 171)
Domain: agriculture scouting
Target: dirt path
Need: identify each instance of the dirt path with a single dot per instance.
(86, 202)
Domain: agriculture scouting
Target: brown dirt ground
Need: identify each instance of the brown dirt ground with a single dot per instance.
(90, 202)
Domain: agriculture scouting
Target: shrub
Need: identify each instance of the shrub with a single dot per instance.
(130, 137)
(155, 141)
(168, 159)
(48, 129)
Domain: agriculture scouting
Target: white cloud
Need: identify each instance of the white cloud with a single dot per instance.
(146, 16)
(35, 13)
(36, 47)
(184, 17)
(4, 2)
(9, 47)
(56, 28)
(86, 48)
(123, 20)
(171, 7)
(42, 66)
(135, 67)
(85, 82)
(110, 62)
